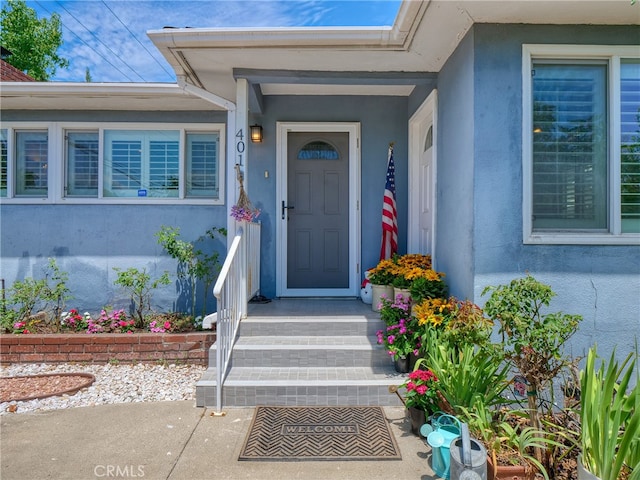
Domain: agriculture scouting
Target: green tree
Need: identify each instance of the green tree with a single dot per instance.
(33, 41)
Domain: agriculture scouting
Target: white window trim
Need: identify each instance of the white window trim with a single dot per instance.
(612, 53)
(57, 159)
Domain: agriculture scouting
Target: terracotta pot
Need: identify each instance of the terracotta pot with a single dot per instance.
(508, 472)
(377, 292)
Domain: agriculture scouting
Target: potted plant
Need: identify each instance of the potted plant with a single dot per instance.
(421, 397)
(401, 285)
(467, 373)
(531, 340)
(381, 278)
(610, 419)
(509, 440)
(428, 285)
(433, 312)
(401, 335)
(414, 260)
(409, 268)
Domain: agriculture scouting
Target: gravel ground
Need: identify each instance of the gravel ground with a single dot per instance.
(123, 383)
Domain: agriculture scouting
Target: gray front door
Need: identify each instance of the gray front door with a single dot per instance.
(317, 210)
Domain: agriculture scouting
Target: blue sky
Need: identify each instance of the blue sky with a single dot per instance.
(109, 37)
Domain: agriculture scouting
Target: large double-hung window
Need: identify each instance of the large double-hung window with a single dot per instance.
(581, 144)
(112, 163)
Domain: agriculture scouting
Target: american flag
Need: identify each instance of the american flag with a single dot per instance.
(389, 213)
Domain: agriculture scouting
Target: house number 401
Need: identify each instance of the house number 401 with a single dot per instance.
(240, 145)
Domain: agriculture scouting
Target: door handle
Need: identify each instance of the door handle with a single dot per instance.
(285, 208)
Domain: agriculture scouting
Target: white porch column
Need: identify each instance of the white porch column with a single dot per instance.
(237, 150)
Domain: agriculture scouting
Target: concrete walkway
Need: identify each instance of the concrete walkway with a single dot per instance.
(172, 440)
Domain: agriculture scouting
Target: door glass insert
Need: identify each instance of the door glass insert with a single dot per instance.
(318, 150)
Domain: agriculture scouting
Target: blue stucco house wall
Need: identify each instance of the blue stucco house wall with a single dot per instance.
(480, 190)
(479, 193)
(382, 120)
(89, 241)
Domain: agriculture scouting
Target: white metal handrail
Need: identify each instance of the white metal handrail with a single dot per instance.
(239, 280)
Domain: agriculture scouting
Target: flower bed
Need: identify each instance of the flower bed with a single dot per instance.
(106, 347)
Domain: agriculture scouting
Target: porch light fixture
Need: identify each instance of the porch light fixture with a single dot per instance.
(256, 133)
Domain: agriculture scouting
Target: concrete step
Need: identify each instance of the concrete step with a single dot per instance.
(290, 351)
(248, 386)
(311, 326)
(305, 352)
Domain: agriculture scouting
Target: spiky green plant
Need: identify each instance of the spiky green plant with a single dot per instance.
(610, 417)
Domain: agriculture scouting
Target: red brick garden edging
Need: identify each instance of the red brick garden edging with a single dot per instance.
(102, 348)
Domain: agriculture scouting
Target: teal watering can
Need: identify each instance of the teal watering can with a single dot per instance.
(442, 431)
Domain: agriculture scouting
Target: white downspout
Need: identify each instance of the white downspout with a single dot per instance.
(206, 95)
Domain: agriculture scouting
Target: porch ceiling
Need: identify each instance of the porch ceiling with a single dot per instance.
(424, 35)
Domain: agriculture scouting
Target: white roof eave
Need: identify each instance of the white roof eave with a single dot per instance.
(394, 36)
(101, 96)
(425, 33)
(73, 88)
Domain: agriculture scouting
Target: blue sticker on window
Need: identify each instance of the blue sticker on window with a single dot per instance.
(142, 192)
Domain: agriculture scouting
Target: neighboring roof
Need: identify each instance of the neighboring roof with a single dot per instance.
(423, 36)
(9, 73)
(100, 96)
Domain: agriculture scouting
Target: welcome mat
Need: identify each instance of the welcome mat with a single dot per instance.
(319, 433)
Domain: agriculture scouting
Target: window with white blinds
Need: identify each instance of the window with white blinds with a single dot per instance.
(81, 164)
(202, 164)
(581, 144)
(141, 163)
(569, 146)
(32, 163)
(630, 145)
(112, 162)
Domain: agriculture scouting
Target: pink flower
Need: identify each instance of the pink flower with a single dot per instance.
(421, 389)
(167, 325)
